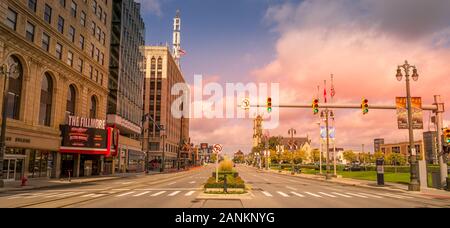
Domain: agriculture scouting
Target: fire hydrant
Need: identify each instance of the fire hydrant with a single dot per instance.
(24, 181)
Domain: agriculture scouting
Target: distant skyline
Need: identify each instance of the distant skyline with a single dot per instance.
(299, 44)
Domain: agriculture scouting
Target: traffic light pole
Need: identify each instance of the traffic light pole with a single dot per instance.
(439, 126)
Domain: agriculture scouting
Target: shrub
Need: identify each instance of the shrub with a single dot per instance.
(226, 165)
(231, 182)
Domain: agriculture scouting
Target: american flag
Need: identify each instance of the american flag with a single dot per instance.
(182, 52)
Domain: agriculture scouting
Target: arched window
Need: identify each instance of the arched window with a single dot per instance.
(14, 90)
(93, 108)
(45, 109)
(71, 99)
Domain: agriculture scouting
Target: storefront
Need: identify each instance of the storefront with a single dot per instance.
(85, 145)
(136, 161)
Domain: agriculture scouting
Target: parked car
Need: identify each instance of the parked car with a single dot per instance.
(353, 167)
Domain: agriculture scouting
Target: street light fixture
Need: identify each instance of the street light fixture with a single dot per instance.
(414, 183)
(10, 69)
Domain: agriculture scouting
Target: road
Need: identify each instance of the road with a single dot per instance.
(182, 190)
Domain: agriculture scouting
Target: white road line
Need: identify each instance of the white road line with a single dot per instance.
(189, 193)
(357, 195)
(55, 195)
(70, 194)
(121, 189)
(309, 193)
(172, 183)
(36, 195)
(283, 194)
(291, 188)
(370, 195)
(298, 194)
(393, 196)
(158, 193)
(88, 195)
(340, 194)
(97, 195)
(325, 194)
(174, 193)
(267, 194)
(127, 182)
(192, 182)
(140, 194)
(124, 194)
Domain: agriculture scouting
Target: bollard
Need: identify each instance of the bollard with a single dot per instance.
(380, 172)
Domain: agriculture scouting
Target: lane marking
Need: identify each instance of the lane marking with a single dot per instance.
(158, 193)
(88, 195)
(174, 193)
(171, 183)
(189, 193)
(192, 182)
(298, 194)
(124, 194)
(315, 195)
(55, 195)
(97, 195)
(357, 195)
(325, 194)
(393, 196)
(267, 194)
(283, 194)
(340, 194)
(370, 195)
(140, 194)
(291, 188)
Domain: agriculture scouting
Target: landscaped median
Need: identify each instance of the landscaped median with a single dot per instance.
(229, 181)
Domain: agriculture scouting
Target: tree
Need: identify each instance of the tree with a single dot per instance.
(349, 156)
(213, 157)
(395, 159)
(299, 156)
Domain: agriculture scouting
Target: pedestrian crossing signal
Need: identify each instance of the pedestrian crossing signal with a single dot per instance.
(365, 106)
(269, 105)
(315, 106)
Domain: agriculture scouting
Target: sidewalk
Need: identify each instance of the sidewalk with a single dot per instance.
(368, 184)
(45, 183)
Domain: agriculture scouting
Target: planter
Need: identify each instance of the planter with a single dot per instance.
(235, 174)
(222, 191)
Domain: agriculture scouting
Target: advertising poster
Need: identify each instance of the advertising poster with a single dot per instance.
(402, 113)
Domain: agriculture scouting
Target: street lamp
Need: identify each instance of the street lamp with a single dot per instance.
(163, 137)
(292, 132)
(414, 183)
(8, 70)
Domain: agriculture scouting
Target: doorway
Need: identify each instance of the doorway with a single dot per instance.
(12, 169)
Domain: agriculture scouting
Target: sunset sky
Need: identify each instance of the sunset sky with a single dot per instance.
(299, 44)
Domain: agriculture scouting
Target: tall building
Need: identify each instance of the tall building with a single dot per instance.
(162, 73)
(430, 146)
(257, 131)
(126, 85)
(61, 49)
(376, 144)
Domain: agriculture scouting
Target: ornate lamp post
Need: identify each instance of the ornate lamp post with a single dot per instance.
(414, 183)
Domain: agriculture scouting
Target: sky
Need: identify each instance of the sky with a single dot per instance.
(299, 44)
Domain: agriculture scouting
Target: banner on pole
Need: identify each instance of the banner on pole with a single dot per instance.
(402, 112)
(331, 133)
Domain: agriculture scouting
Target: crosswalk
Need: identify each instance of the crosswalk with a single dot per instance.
(335, 195)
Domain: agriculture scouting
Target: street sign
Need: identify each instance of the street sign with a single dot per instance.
(217, 148)
(245, 104)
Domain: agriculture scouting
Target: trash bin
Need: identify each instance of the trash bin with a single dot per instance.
(436, 180)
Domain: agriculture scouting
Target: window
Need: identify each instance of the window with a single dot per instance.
(92, 50)
(80, 65)
(60, 24)
(45, 108)
(103, 38)
(94, 6)
(101, 58)
(73, 9)
(93, 108)
(81, 42)
(96, 75)
(58, 50)
(29, 32)
(14, 90)
(83, 18)
(45, 41)
(11, 19)
(97, 54)
(101, 78)
(62, 3)
(98, 31)
(93, 28)
(48, 14)
(91, 72)
(71, 100)
(104, 18)
(70, 58)
(99, 13)
(72, 34)
(32, 5)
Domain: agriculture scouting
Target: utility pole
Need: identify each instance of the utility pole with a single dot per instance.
(292, 132)
(439, 126)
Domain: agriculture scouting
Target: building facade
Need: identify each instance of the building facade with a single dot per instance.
(257, 131)
(61, 49)
(402, 148)
(126, 85)
(430, 147)
(165, 131)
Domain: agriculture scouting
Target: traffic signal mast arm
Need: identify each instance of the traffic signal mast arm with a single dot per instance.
(345, 106)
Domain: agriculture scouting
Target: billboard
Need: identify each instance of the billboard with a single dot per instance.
(402, 113)
(81, 137)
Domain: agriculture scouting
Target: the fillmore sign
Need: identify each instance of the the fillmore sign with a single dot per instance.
(76, 121)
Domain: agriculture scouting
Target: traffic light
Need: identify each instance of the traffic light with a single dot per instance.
(315, 106)
(446, 133)
(269, 105)
(365, 106)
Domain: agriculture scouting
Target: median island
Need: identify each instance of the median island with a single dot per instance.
(228, 182)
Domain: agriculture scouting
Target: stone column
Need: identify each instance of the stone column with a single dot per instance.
(56, 169)
(76, 166)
